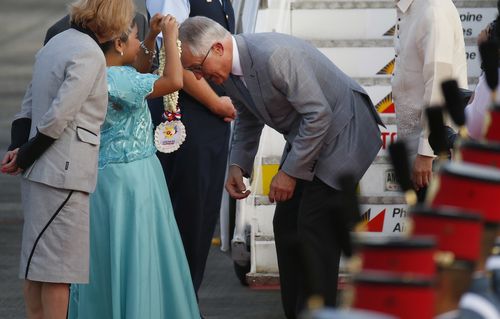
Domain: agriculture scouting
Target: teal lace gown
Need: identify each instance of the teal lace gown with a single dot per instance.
(138, 267)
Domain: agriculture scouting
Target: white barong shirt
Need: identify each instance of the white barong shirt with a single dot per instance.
(430, 48)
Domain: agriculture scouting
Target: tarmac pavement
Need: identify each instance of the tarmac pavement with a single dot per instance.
(23, 24)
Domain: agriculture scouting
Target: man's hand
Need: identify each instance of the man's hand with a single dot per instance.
(155, 25)
(234, 183)
(422, 171)
(224, 108)
(9, 165)
(282, 187)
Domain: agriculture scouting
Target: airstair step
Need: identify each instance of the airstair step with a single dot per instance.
(377, 4)
(263, 200)
(382, 200)
(368, 62)
(365, 43)
(271, 160)
(339, 4)
(269, 280)
(372, 20)
(265, 254)
(385, 81)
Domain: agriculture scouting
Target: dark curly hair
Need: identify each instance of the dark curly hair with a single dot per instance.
(493, 31)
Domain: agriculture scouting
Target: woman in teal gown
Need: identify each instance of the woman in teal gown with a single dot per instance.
(138, 267)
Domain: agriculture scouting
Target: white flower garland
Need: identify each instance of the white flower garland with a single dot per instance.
(170, 134)
(170, 100)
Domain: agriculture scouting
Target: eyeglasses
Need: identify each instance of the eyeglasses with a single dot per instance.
(198, 68)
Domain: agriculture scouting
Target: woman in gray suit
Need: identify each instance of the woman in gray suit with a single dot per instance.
(55, 143)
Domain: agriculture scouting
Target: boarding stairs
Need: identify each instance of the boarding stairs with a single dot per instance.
(358, 37)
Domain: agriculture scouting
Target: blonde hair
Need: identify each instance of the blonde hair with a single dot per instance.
(107, 18)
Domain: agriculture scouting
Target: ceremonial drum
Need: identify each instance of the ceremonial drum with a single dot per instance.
(482, 153)
(395, 295)
(456, 231)
(468, 186)
(405, 256)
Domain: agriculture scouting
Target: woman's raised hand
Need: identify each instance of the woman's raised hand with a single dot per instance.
(155, 25)
(169, 27)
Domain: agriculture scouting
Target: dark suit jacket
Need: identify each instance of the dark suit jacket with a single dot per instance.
(63, 24)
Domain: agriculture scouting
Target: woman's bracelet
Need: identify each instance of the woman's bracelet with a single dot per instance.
(148, 51)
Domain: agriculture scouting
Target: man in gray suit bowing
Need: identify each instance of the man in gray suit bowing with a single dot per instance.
(331, 130)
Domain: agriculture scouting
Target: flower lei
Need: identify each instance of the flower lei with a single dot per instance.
(170, 101)
(170, 134)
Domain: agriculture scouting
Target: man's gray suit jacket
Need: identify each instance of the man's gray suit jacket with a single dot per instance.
(327, 119)
(67, 101)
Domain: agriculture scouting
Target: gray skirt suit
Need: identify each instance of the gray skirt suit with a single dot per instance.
(67, 101)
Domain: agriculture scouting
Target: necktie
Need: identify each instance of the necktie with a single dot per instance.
(241, 87)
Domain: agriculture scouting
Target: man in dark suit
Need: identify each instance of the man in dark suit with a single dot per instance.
(63, 24)
(195, 172)
(331, 130)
